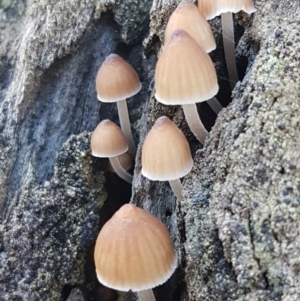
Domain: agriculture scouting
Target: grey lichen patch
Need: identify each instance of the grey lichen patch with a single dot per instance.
(75, 295)
(131, 15)
(251, 161)
(209, 275)
(45, 242)
(5, 150)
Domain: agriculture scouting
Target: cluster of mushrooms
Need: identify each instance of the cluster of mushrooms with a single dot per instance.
(184, 75)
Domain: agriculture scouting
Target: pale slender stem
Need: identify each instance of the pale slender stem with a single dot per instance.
(146, 295)
(125, 126)
(215, 105)
(229, 48)
(194, 122)
(120, 171)
(177, 188)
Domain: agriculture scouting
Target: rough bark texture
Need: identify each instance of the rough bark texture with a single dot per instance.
(236, 232)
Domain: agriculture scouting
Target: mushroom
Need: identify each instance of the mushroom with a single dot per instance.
(108, 141)
(189, 18)
(117, 80)
(125, 161)
(134, 252)
(185, 75)
(166, 155)
(225, 8)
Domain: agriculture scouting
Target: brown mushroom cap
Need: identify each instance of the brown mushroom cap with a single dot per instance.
(184, 74)
(211, 9)
(108, 140)
(188, 18)
(134, 251)
(166, 154)
(116, 80)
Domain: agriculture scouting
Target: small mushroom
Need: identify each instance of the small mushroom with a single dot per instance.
(189, 18)
(225, 8)
(185, 75)
(117, 80)
(134, 252)
(108, 141)
(125, 161)
(166, 154)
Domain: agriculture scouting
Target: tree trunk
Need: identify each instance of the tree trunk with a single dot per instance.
(236, 231)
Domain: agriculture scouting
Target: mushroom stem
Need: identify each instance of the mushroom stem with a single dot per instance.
(125, 126)
(229, 48)
(215, 105)
(146, 295)
(114, 161)
(194, 122)
(177, 188)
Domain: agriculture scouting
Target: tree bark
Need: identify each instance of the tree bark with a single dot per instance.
(235, 231)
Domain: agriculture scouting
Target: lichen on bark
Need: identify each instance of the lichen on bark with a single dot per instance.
(251, 161)
(50, 231)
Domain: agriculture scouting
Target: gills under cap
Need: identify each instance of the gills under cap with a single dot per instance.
(108, 140)
(166, 154)
(116, 80)
(213, 8)
(185, 73)
(134, 251)
(188, 18)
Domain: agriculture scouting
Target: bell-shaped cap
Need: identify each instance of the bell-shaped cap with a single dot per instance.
(134, 251)
(213, 8)
(184, 73)
(188, 18)
(108, 140)
(166, 154)
(116, 80)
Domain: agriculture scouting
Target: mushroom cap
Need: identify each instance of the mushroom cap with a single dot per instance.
(108, 140)
(116, 80)
(166, 154)
(184, 73)
(125, 161)
(189, 18)
(134, 251)
(211, 9)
